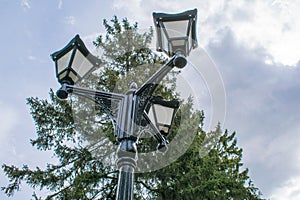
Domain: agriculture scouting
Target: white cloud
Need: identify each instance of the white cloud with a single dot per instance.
(137, 10)
(31, 57)
(272, 25)
(88, 41)
(25, 4)
(70, 20)
(8, 120)
(289, 190)
(60, 3)
(276, 152)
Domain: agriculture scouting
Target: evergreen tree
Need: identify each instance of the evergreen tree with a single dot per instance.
(81, 137)
(197, 175)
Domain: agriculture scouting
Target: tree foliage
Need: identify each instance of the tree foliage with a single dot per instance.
(210, 169)
(216, 175)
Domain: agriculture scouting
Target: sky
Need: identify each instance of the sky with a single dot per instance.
(253, 44)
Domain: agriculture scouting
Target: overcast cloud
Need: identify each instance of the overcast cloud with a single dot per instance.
(254, 45)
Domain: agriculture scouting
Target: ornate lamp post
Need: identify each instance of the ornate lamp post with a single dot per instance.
(137, 105)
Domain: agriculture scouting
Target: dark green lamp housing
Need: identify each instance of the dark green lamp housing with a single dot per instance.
(74, 62)
(176, 33)
(162, 112)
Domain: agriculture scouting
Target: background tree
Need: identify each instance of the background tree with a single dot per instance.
(80, 137)
(197, 175)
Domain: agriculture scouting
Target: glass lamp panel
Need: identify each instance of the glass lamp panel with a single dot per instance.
(165, 41)
(176, 28)
(81, 65)
(179, 45)
(163, 114)
(62, 75)
(164, 129)
(190, 42)
(73, 76)
(179, 42)
(63, 62)
(151, 115)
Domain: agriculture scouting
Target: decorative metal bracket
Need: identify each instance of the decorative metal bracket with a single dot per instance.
(103, 99)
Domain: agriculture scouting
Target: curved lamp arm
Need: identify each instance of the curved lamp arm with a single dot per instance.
(144, 93)
(177, 60)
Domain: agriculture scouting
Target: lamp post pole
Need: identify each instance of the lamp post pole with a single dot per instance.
(131, 105)
(127, 150)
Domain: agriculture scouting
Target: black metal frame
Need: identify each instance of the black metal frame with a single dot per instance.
(160, 18)
(158, 100)
(76, 44)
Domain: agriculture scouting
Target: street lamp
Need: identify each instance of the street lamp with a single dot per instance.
(137, 107)
(162, 112)
(73, 63)
(176, 33)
